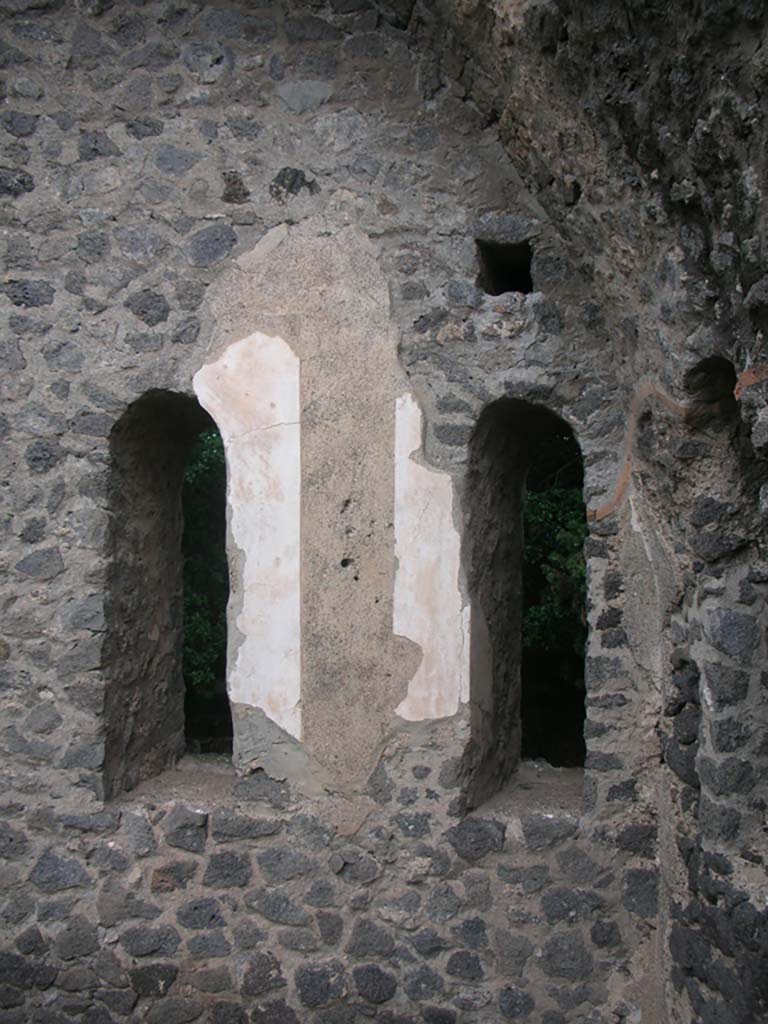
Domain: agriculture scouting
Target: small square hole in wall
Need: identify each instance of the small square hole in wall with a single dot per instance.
(505, 268)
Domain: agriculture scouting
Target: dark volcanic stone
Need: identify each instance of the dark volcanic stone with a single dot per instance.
(309, 29)
(438, 1015)
(281, 863)
(423, 983)
(94, 144)
(729, 734)
(320, 982)
(248, 935)
(443, 903)
(262, 974)
(515, 1004)
(732, 632)
(686, 724)
(428, 942)
(414, 825)
(171, 160)
(210, 245)
(289, 181)
(475, 838)
(727, 686)
(174, 1010)
(54, 874)
(682, 761)
(153, 979)
(598, 761)
(209, 944)
(31, 942)
(18, 124)
(277, 906)
(185, 829)
(605, 933)
(13, 843)
(302, 940)
(29, 294)
(717, 821)
(638, 839)
(513, 952)
(200, 913)
(726, 777)
(566, 956)
(15, 182)
(77, 939)
(311, 831)
(207, 61)
(641, 892)
(463, 964)
(330, 925)
(472, 932)
(174, 875)
(529, 879)
(150, 307)
(373, 984)
(321, 894)
(226, 826)
(685, 680)
(228, 870)
(144, 127)
(276, 1012)
(370, 940)
(541, 830)
(563, 904)
(234, 188)
(42, 456)
(143, 941)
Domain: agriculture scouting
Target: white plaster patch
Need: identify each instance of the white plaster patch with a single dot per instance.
(252, 392)
(428, 607)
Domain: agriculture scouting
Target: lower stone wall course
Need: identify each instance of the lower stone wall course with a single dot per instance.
(156, 908)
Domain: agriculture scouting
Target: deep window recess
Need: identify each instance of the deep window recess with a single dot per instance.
(144, 684)
(711, 386)
(207, 717)
(505, 267)
(526, 526)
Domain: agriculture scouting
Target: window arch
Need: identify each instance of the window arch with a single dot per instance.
(528, 601)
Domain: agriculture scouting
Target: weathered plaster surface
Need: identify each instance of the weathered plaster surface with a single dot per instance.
(252, 391)
(428, 605)
(325, 290)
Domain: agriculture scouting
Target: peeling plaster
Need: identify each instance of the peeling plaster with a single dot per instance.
(428, 605)
(252, 392)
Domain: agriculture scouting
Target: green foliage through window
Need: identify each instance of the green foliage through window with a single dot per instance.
(206, 590)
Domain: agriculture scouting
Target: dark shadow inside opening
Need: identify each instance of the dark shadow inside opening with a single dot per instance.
(505, 267)
(711, 385)
(207, 715)
(554, 629)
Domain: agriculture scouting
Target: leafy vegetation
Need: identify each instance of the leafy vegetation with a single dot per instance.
(554, 629)
(206, 589)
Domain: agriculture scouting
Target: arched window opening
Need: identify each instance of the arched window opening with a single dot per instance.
(143, 662)
(207, 717)
(526, 526)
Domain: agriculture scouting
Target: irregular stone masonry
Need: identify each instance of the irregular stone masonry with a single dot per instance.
(239, 910)
(147, 150)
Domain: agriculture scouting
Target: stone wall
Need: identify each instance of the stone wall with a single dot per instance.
(179, 178)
